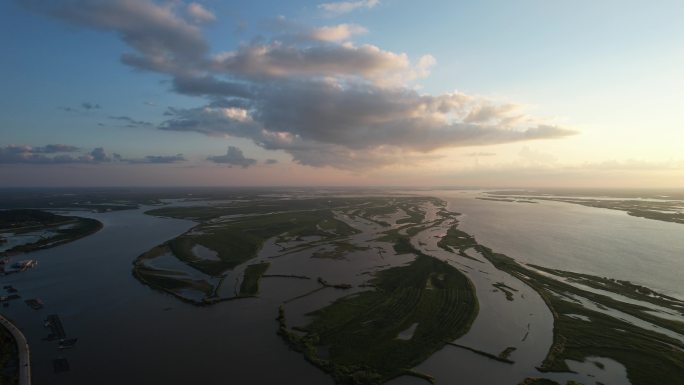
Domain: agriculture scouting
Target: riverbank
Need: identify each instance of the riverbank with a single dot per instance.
(26, 230)
(23, 355)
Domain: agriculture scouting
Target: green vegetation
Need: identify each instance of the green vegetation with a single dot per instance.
(413, 224)
(660, 210)
(562, 290)
(506, 200)
(650, 357)
(456, 238)
(308, 293)
(403, 245)
(239, 240)
(507, 352)
(501, 357)
(538, 381)
(256, 205)
(295, 276)
(27, 218)
(410, 205)
(54, 230)
(169, 281)
(621, 287)
(172, 283)
(250, 280)
(544, 381)
(97, 200)
(339, 251)
(343, 286)
(496, 199)
(9, 358)
(372, 212)
(507, 290)
(416, 216)
(355, 338)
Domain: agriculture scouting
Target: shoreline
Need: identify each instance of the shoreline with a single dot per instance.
(22, 351)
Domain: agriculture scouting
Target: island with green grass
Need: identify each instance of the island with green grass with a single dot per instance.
(400, 301)
(650, 356)
(26, 230)
(376, 335)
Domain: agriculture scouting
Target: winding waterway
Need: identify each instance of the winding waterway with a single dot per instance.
(129, 333)
(565, 236)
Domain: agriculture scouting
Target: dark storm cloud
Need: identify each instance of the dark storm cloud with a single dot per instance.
(233, 157)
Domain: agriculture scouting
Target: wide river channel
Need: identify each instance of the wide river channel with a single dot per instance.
(131, 334)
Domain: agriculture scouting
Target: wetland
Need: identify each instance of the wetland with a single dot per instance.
(349, 287)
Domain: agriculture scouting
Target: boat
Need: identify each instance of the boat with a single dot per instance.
(35, 303)
(67, 343)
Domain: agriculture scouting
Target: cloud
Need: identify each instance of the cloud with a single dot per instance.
(65, 154)
(157, 159)
(289, 32)
(54, 149)
(163, 41)
(336, 33)
(209, 86)
(85, 106)
(212, 121)
(90, 106)
(340, 126)
(478, 154)
(199, 14)
(130, 122)
(425, 64)
(271, 161)
(233, 157)
(261, 61)
(50, 154)
(506, 114)
(99, 155)
(309, 92)
(342, 7)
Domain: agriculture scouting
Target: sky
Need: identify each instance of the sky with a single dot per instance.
(495, 93)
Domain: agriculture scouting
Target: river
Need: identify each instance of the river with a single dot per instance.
(129, 333)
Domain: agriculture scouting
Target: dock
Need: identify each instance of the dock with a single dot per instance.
(56, 328)
(34, 303)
